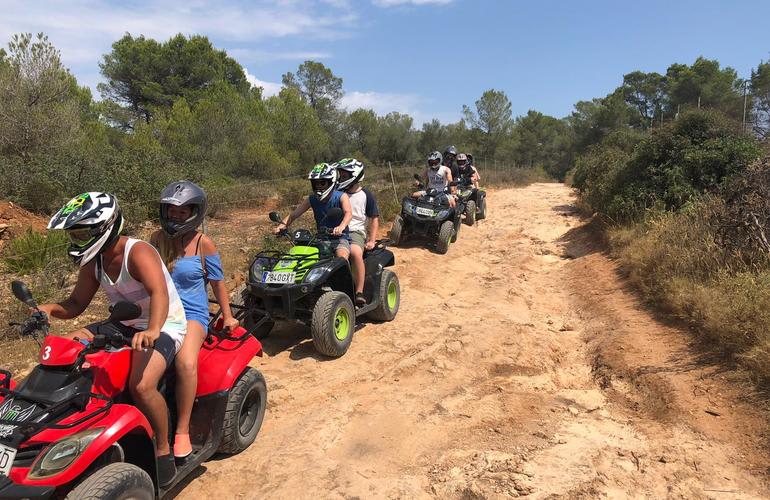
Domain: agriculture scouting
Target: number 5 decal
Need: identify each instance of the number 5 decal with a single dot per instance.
(46, 353)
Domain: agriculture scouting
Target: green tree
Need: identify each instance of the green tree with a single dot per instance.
(298, 131)
(492, 119)
(704, 84)
(646, 92)
(143, 74)
(317, 85)
(363, 132)
(40, 102)
(398, 140)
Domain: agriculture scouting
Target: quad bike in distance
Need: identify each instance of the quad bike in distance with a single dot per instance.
(429, 217)
(311, 284)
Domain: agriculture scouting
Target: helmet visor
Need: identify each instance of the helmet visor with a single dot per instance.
(320, 184)
(433, 163)
(80, 237)
(462, 162)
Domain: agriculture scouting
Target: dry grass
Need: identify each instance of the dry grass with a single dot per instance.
(679, 265)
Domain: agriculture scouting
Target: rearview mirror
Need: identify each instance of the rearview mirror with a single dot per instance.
(21, 292)
(275, 217)
(124, 311)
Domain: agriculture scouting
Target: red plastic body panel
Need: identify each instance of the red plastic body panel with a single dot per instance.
(110, 371)
(221, 361)
(59, 351)
(119, 420)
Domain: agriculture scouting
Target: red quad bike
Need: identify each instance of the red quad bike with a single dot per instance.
(70, 430)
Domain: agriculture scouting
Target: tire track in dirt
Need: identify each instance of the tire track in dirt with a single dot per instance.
(487, 386)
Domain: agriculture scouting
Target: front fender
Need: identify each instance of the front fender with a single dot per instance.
(121, 419)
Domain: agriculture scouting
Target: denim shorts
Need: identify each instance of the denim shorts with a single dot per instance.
(165, 345)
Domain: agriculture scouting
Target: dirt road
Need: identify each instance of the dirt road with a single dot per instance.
(518, 365)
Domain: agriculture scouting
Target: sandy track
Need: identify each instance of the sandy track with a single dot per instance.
(518, 365)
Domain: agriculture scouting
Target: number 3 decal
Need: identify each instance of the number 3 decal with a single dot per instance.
(46, 353)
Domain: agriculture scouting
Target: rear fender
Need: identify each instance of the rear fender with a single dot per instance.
(120, 421)
(221, 362)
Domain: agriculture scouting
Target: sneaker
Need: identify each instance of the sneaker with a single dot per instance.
(360, 299)
(182, 445)
(166, 469)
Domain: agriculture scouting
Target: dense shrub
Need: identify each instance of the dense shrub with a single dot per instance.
(667, 169)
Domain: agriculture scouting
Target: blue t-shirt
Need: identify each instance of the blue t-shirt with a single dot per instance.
(320, 210)
(188, 278)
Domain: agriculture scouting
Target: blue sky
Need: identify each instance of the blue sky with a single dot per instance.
(422, 57)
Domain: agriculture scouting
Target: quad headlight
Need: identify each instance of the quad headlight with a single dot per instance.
(443, 213)
(315, 275)
(408, 206)
(258, 267)
(60, 454)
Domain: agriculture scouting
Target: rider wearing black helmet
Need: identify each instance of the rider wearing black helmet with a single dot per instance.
(194, 263)
(450, 160)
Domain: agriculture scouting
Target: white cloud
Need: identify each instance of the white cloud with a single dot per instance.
(85, 29)
(268, 88)
(392, 3)
(261, 56)
(380, 102)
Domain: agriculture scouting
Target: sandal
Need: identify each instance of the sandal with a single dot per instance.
(360, 299)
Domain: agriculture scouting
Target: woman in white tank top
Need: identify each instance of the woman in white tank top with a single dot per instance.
(127, 269)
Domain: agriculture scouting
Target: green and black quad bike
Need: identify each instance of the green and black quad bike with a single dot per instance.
(474, 200)
(311, 284)
(428, 217)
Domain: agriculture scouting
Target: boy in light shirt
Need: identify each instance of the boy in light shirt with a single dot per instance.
(364, 207)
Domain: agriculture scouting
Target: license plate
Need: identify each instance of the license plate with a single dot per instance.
(273, 277)
(6, 459)
(424, 211)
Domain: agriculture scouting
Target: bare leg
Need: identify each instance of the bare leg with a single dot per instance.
(147, 367)
(342, 252)
(82, 333)
(186, 363)
(357, 259)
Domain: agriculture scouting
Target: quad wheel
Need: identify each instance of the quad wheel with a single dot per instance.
(457, 225)
(332, 324)
(445, 234)
(396, 232)
(470, 213)
(244, 413)
(116, 481)
(390, 297)
(482, 208)
(247, 316)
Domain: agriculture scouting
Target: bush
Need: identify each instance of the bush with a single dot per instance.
(667, 169)
(35, 251)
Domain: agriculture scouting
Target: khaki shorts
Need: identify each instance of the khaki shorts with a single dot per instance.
(358, 238)
(340, 243)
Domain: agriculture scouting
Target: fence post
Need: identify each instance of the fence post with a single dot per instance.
(393, 180)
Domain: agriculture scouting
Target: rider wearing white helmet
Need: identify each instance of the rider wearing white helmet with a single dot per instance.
(438, 177)
(126, 269)
(364, 207)
(323, 181)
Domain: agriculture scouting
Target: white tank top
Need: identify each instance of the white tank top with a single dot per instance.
(437, 179)
(127, 288)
